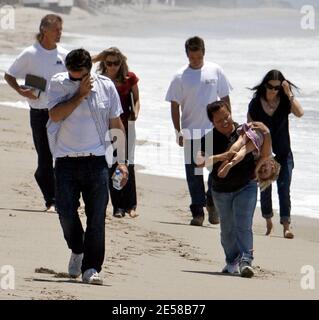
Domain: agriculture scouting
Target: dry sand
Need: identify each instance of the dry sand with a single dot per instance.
(156, 256)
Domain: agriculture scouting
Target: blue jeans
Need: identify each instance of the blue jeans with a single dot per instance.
(236, 211)
(44, 175)
(89, 176)
(283, 186)
(195, 180)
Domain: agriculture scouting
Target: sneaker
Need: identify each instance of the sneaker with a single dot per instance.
(246, 270)
(231, 268)
(213, 216)
(197, 221)
(91, 276)
(50, 209)
(75, 265)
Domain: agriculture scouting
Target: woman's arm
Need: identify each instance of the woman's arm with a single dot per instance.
(136, 97)
(296, 107)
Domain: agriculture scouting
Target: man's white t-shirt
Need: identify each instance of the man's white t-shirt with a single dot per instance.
(78, 132)
(40, 62)
(193, 90)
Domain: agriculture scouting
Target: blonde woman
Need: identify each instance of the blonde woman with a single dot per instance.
(113, 64)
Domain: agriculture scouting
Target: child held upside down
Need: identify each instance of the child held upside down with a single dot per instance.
(251, 138)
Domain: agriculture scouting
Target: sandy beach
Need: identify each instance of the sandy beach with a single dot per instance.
(155, 256)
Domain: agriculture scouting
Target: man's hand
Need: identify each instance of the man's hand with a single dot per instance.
(200, 159)
(124, 171)
(259, 126)
(27, 93)
(179, 138)
(85, 86)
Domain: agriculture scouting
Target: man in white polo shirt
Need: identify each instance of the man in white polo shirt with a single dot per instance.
(82, 109)
(43, 59)
(193, 87)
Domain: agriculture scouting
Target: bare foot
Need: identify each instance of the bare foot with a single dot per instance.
(224, 171)
(133, 214)
(287, 233)
(269, 226)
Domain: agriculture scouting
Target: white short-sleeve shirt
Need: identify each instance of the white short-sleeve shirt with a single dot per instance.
(193, 90)
(40, 62)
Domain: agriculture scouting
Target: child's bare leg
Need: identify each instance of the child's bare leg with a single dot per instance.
(235, 147)
(223, 171)
(222, 166)
(240, 142)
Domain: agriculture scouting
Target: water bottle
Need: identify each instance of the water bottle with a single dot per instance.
(117, 178)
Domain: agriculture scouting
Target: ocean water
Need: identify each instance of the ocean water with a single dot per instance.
(245, 60)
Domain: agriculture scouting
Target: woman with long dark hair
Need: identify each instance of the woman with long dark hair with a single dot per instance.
(272, 103)
(113, 64)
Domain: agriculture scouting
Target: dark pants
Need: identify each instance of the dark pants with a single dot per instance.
(283, 186)
(123, 200)
(195, 180)
(44, 175)
(89, 176)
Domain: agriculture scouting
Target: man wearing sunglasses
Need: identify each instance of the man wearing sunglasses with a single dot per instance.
(193, 87)
(82, 109)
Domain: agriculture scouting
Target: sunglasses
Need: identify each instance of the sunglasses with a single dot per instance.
(113, 63)
(271, 87)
